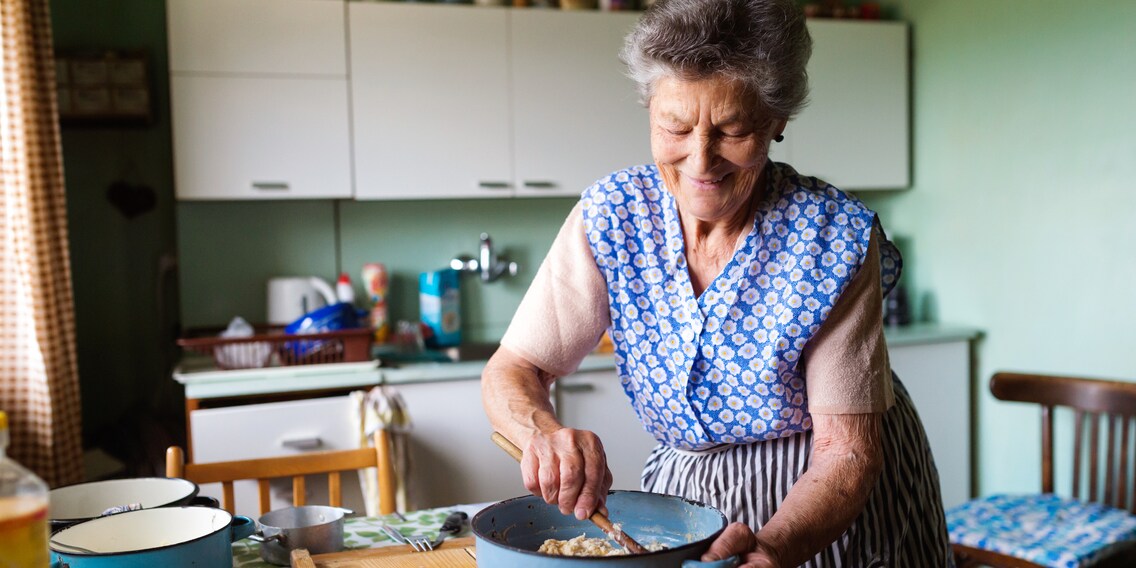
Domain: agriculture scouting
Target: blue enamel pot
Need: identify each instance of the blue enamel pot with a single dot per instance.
(510, 532)
(170, 537)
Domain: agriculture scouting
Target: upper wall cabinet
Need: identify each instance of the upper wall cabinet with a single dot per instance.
(453, 101)
(259, 99)
(576, 115)
(854, 133)
(430, 101)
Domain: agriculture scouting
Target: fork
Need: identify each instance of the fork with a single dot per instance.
(419, 542)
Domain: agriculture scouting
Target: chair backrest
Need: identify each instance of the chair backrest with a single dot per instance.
(1105, 451)
(331, 463)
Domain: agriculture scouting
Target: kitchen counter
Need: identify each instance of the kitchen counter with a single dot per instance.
(304, 402)
(205, 382)
(202, 381)
(924, 333)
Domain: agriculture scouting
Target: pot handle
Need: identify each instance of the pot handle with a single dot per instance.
(204, 501)
(241, 527)
(730, 562)
(258, 537)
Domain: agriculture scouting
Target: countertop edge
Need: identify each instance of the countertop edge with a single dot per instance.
(222, 384)
(925, 333)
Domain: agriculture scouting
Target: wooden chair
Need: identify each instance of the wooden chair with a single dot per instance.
(1104, 452)
(331, 463)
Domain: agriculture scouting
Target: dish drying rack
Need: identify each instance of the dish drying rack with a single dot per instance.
(271, 347)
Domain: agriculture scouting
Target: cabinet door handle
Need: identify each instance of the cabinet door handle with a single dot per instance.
(303, 444)
(493, 184)
(540, 184)
(270, 185)
(577, 387)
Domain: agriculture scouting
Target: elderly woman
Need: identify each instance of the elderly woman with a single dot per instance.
(744, 301)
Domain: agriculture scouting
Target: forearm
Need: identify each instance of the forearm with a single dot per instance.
(564, 466)
(843, 469)
(515, 395)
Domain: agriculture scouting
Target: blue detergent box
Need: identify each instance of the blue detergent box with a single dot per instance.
(439, 304)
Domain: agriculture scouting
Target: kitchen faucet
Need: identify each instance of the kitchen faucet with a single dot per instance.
(488, 264)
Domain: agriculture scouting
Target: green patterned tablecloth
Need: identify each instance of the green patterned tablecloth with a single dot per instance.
(364, 532)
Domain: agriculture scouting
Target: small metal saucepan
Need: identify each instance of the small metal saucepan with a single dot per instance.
(314, 527)
(510, 532)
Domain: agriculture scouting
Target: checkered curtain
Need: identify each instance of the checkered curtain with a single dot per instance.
(39, 382)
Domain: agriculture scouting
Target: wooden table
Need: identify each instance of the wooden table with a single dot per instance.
(364, 533)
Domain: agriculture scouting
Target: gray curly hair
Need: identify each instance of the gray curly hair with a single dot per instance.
(763, 44)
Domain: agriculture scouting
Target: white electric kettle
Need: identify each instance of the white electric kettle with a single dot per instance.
(291, 297)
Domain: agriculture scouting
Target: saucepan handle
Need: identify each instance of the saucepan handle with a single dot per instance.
(730, 562)
(258, 537)
(241, 527)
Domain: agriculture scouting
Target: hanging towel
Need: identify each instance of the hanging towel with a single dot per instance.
(382, 408)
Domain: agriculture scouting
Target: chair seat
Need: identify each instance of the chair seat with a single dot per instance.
(1042, 528)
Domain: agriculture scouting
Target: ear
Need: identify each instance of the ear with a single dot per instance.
(779, 126)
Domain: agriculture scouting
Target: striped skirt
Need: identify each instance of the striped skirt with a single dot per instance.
(902, 524)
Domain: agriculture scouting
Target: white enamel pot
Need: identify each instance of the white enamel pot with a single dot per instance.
(84, 501)
(170, 537)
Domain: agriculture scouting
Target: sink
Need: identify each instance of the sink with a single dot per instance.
(466, 352)
(471, 351)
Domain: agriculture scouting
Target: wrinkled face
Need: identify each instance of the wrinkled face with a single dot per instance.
(710, 143)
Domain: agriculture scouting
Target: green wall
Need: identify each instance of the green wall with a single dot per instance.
(123, 327)
(230, 249)
(1021, 214)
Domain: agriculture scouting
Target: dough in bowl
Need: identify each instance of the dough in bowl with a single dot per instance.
(584, 546)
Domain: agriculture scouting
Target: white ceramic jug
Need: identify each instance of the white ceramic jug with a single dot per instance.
(291, 297)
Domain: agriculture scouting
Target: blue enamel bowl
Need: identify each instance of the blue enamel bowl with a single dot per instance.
(510, 532)
(170, 537)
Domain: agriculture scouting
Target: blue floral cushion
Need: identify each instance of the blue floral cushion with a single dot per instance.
(1042, 528)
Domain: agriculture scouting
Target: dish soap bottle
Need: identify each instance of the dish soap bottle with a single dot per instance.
(23, 511)
(344, 291)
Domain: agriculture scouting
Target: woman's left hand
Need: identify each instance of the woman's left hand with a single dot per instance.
(739, 540)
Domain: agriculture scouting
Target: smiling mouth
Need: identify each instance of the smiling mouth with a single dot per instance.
(707, 184)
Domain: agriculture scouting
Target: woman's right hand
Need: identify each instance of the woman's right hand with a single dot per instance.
(568, 468)
(739, 540)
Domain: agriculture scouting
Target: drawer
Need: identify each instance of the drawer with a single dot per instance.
(277, 429)
(273, 429)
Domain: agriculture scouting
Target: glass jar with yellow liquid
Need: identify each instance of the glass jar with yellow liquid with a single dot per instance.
(23, 511)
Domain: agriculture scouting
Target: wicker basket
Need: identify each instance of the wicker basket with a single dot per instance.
(275, 348)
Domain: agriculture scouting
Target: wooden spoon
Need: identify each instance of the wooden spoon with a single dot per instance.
(598, 518)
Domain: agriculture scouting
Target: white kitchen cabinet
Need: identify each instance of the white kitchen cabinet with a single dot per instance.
(244, 138)
(259, 99)
(452, 458)
(430, 101)
(934, 364)
(452, 101)
(304, 37)
(595, 401)
(576, 115)
(276, 429)
(854, 133)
